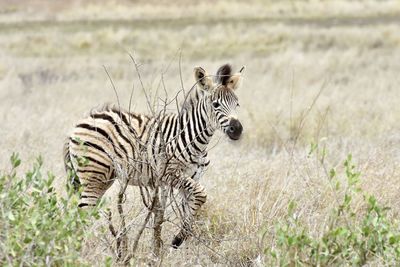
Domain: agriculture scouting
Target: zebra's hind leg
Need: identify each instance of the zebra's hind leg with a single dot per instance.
(195, 197)
(92, 193)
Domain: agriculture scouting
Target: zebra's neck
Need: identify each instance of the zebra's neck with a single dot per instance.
(196, 130)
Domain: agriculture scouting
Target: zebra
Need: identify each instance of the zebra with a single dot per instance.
(111, 138)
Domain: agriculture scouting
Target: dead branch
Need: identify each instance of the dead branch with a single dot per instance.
(156, 199)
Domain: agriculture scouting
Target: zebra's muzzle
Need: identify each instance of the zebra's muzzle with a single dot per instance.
(235, 129)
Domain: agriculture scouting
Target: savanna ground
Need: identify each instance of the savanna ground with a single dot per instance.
(322, 81)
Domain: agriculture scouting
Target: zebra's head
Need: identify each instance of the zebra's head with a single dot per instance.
(223, 101)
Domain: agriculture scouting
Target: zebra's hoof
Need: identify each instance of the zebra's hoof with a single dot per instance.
(177, 242)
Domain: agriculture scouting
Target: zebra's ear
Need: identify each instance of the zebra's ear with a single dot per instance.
(234, 81)
(203, 80)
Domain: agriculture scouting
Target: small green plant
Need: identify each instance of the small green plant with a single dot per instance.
(38, 227)
(350, 238)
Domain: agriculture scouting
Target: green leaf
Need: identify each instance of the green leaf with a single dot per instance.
(15, 161)
(11, 216)
(332, 173)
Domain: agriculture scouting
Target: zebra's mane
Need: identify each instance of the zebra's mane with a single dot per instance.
(192, 98)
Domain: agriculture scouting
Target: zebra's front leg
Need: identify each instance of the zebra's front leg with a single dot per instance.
(195, 196)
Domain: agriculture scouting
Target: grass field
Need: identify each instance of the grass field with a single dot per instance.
(320, 75)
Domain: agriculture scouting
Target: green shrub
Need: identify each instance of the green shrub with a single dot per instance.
(38, 227)
(350, 238)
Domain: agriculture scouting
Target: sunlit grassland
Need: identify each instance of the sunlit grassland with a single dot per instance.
(329, 77)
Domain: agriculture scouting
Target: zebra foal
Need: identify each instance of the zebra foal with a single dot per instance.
(168, 149)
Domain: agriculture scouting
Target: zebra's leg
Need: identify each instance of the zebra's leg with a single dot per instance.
(195, 196)
(92, 191)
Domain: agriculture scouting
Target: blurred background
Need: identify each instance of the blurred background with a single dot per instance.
(317, 72)
(53, 54)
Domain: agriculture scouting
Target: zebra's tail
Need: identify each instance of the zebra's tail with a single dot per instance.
(73, 179)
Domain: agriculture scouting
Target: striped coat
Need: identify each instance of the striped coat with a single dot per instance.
(169, 149)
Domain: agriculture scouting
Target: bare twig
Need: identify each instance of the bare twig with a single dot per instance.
(113, 86)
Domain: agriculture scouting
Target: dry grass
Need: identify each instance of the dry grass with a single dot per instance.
(51, 74)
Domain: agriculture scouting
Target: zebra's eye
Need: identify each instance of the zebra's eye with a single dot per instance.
(238, 105)
(215, 104)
